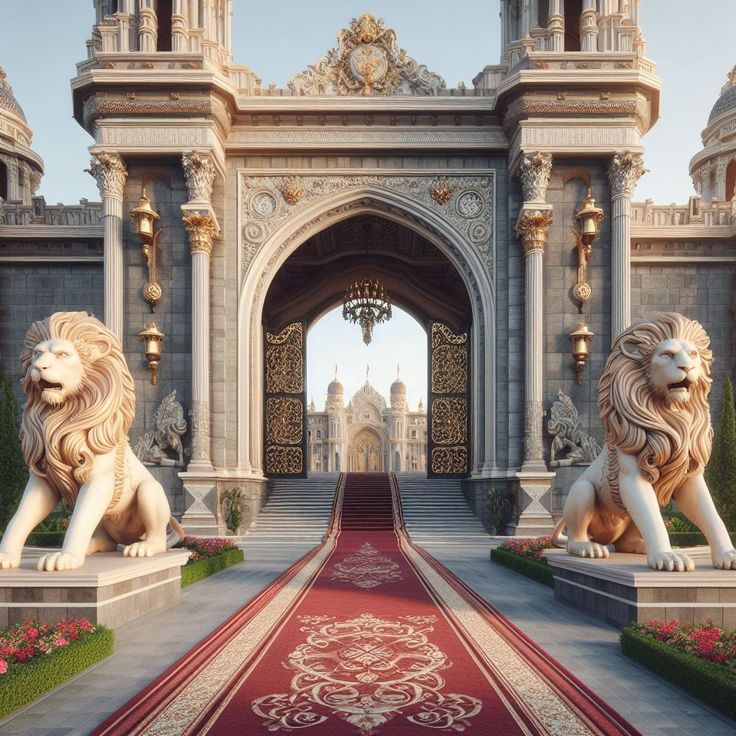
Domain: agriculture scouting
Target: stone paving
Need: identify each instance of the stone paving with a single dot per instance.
(145, 648)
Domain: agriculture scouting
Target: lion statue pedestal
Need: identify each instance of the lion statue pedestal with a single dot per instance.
(653, 402)
(74, 437)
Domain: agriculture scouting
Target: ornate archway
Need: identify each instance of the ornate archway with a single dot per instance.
(366, 451)
(279, 213)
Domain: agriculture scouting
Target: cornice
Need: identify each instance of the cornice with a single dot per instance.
(682, 232)
(45, 232)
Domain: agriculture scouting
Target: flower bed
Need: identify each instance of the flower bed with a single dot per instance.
(36, 657)
(525, 556)
(208, 556)
(701, 658)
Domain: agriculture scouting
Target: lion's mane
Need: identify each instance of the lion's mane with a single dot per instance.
(59, 443)
(671, 443)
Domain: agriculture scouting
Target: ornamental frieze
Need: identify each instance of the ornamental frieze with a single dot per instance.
(268, 201)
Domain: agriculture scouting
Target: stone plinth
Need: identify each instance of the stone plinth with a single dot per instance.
(623, 589)
(109, 589)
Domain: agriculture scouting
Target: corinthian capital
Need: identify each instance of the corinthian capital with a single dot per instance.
(110, 172)
(201, 229)
(534, 171)
(199, 172)
(532, 229)
(624, 171)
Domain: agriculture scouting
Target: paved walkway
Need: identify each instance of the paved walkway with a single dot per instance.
(145, 648)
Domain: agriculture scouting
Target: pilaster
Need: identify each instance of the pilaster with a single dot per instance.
(624, 171)
(110, 172)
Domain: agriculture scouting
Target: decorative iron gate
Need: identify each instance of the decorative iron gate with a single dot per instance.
(285, 406)
(448, 450)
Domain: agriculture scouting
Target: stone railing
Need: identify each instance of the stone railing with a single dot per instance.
(39, 213)
(695, 212)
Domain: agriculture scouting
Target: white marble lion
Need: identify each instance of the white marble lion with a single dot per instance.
(653, 402)
(74, 437)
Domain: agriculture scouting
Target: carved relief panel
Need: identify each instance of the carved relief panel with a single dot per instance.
(285, 401)
(449, 402)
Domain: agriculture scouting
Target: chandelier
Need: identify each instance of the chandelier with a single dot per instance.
(367, 304)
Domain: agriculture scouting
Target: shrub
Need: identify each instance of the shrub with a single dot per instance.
(194, 571)
(532, 568)
(35, 657)
(711, 681)
(721, 471)
(532, 548)
(14, 470)
(205, 547)
(232, 499)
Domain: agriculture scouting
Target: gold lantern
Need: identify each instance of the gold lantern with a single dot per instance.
(144, 217)
(580, 338)
(152, 338)
(588, 219)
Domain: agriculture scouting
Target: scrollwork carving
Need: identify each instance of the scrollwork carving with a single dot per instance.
(367, 61)
(450, 460)
(533, 227)
(284, 421)
(534, 172)
(449, 361)
(284, 460)
(450, 421)
(201, 229)
(284, 362)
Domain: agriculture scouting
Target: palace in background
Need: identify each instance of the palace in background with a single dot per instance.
(501, 216)
(368, 434)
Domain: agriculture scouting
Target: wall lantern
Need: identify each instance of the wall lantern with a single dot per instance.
(588, 219)
(144, 217)
(580, 338)
(152, 338)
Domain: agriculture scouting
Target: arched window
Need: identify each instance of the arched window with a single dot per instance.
(163, 16)
(731, 180)
(3, 180)
(573, 11)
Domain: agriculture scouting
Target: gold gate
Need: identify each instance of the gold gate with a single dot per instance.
(285, 438)
(448, 439)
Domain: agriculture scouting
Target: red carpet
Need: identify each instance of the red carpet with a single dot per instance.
(366, 636)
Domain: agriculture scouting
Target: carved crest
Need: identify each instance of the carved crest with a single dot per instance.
(569, 436)
(169, 426)
(367, 61)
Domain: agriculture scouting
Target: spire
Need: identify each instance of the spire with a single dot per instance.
(398, 370)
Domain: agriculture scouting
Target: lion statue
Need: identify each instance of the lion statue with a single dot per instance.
(653, 402)
(74, 438)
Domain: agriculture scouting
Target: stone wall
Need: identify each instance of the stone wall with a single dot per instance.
(164, 182)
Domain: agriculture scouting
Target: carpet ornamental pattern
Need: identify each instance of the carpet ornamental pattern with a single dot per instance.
(367, 635)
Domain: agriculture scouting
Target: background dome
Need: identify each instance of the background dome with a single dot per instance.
(7, 99)
(725, 103)
(398, 387)
(335, 387)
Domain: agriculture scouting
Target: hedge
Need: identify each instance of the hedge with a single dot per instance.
(46, 539)
(687, 539)
(193, 572)
(539, 571)
(710, 682)
(26, 681)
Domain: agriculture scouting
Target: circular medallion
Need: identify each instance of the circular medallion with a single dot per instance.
(479, 232)
(368, 63)
(152, 292)
(469, 204)
(264, 204)
(582, 291)
(253, 232)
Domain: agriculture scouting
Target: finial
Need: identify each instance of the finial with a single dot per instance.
(336, 371)
(367, 372)
(398, 369)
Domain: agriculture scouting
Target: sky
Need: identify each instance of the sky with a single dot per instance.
(692, 46)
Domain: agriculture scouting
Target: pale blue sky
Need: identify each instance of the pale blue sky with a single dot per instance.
(41, 40)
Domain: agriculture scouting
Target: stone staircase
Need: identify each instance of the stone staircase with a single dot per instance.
(436, 512)
(297, 511)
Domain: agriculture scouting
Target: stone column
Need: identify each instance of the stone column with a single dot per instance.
(623, 173)
(589, 27)
(556, 26)
(201, 514)
(532, 228)
(110, 172)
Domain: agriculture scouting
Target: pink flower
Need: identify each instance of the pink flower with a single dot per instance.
(60, 642)
(3, 666)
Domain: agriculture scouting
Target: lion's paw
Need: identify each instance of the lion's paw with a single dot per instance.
(725, 560)
(7, 562)
(587, 549)
(60, 561)
(670, 561)
(146, 548)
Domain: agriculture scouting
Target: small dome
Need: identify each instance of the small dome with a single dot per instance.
(7, 99)
(335, 388)
(725, 103)
(398, 387)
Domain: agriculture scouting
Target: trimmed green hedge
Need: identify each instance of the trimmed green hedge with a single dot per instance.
(539, 571)
(46, 539)
(26, 681)
(687, 539)
(193, 572)
(710, 682)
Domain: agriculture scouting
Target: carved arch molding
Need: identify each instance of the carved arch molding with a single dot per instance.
(463, 201)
